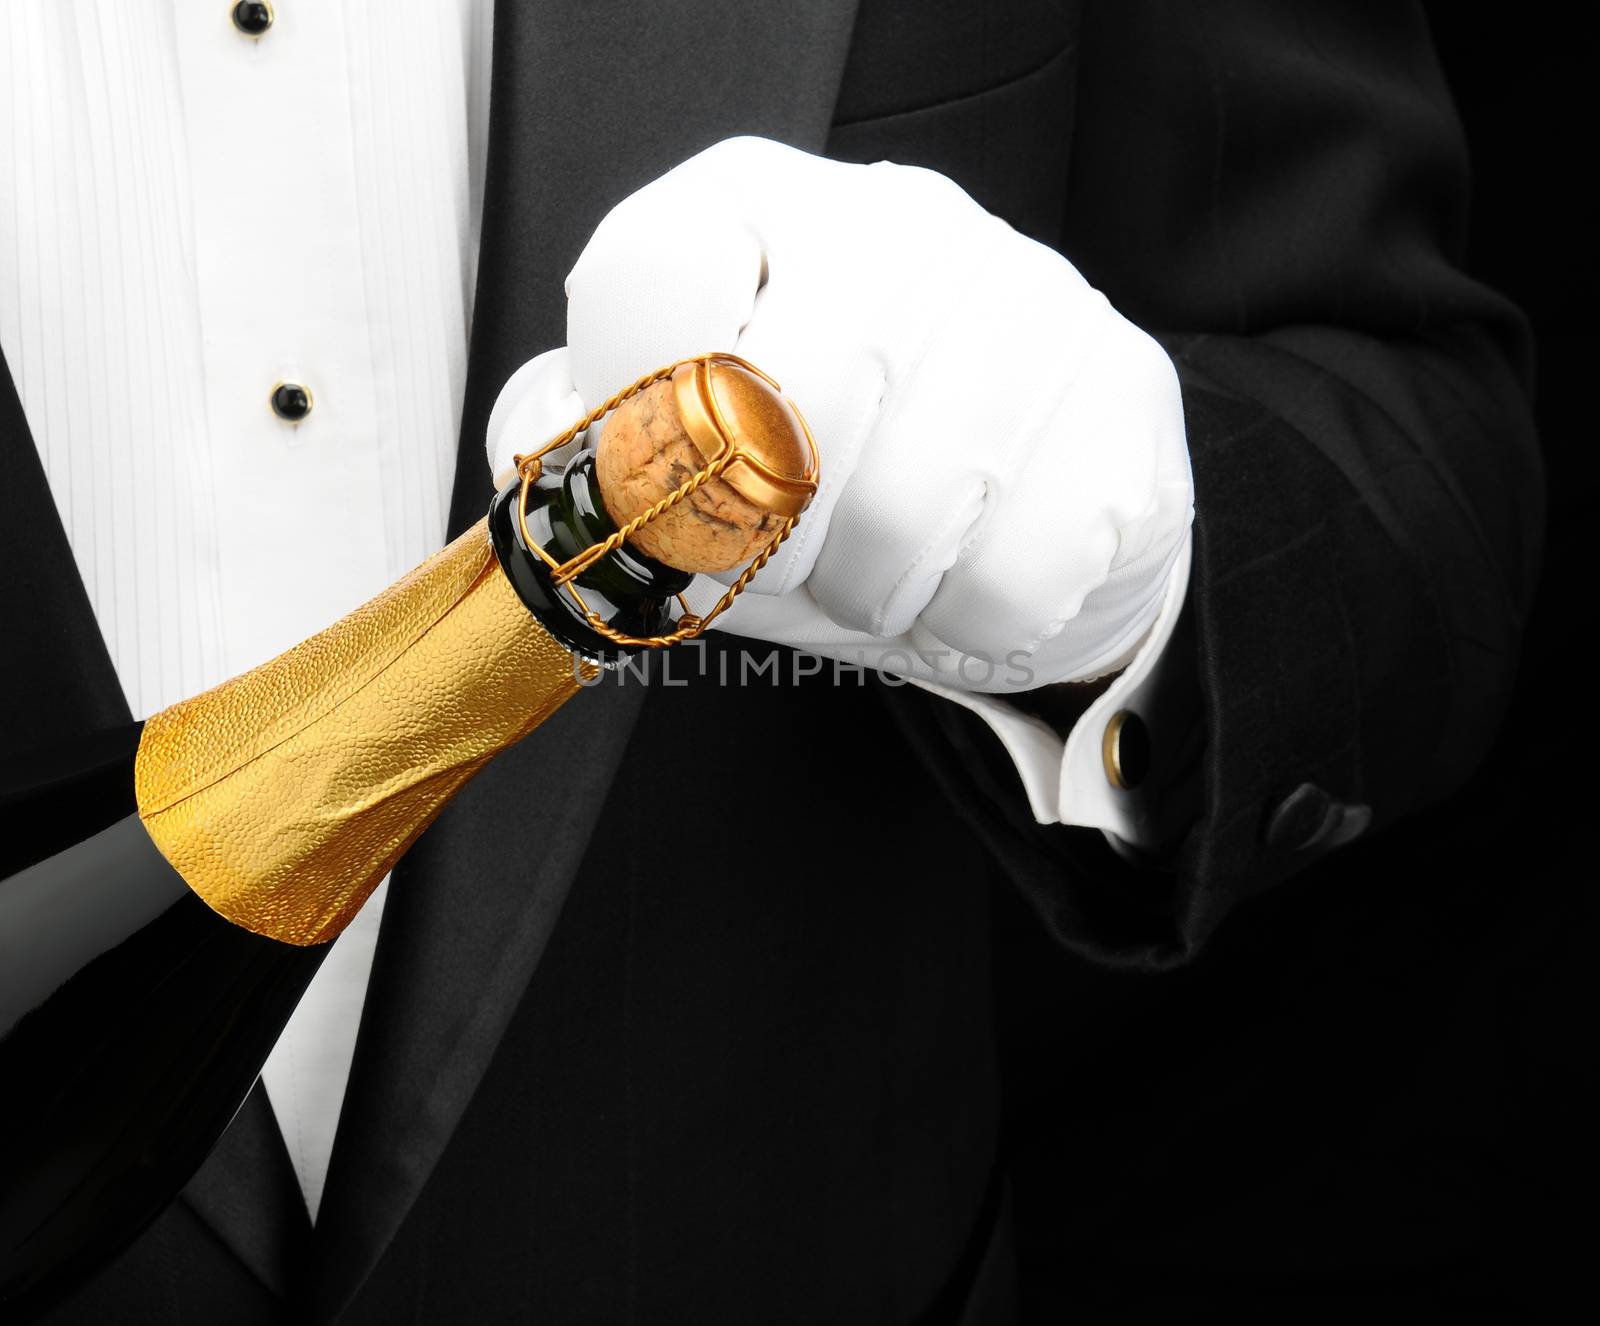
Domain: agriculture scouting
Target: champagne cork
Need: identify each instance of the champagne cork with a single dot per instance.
(659, 439)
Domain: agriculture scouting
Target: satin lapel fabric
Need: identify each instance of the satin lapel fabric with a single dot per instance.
(59, 681)
(588, 102)
(248, 1194)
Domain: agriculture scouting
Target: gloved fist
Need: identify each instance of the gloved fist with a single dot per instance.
(1005, 485)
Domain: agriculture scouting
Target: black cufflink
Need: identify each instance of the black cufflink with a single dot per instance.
(1308, 817)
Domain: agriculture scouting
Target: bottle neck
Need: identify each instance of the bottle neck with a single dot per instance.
(284, 795)
(566, 514)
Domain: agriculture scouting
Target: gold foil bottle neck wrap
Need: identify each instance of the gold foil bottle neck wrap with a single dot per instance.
(284, 796)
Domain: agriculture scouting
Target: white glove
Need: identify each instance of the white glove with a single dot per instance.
(1005, 485)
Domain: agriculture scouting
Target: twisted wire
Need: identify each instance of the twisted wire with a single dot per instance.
(688, 625)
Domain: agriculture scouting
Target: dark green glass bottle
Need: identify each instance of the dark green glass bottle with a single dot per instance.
(631, 592)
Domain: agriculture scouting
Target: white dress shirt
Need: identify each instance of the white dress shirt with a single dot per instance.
(189, 217)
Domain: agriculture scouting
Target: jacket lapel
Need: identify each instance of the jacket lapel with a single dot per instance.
(248, 1194)
(58, 681)
(588, 102)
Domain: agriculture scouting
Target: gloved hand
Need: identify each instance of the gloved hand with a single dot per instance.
(1005, 485)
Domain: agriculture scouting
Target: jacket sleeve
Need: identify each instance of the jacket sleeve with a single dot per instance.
(1279, 194)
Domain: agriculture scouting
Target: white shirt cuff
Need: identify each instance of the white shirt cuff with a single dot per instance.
(1066, 779)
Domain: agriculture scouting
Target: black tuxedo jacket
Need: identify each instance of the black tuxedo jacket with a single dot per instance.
(602, 1077)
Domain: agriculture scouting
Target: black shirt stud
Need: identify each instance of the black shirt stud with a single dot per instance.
(252, 17)
(291, 402)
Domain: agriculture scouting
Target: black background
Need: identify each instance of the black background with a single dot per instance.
(1377, 1088)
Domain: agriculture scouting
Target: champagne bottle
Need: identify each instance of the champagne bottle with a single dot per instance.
(165, 905)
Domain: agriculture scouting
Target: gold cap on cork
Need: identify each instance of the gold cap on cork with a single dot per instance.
(728, 405)
(706, 465)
